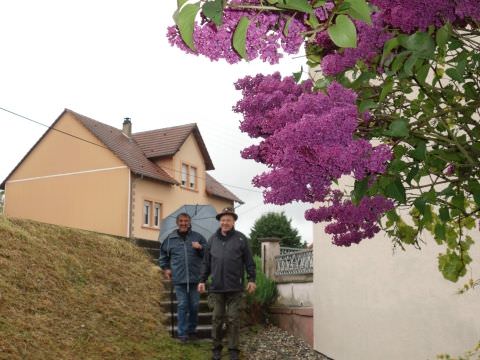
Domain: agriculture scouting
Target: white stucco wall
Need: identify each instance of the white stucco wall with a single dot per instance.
(295, 294)
(372, 304)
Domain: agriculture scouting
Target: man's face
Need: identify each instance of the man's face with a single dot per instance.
(226, 223)
(183, 223)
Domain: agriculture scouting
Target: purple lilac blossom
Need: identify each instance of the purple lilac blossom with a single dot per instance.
(370, 43)
(349, 223)
(265, 37)
(307, 140)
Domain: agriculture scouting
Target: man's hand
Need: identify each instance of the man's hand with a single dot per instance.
(196, 245)
(201, 288)
(251, 287)
(167, 273)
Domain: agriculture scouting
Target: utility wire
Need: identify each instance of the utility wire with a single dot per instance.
(104, 147)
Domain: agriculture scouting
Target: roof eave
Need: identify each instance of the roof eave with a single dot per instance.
(236, 199)
(4, 183)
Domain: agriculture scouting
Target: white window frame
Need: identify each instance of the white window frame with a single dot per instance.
(147, 212)
(157, 207)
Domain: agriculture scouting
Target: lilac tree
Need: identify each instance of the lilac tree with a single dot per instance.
(391, 100)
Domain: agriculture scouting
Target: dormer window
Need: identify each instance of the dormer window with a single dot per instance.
(193, 177)
(184, 174)
(189, 177)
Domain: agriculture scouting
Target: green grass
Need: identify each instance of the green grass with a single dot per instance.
(70, 294)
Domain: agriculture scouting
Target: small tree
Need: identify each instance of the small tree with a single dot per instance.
(274, 224)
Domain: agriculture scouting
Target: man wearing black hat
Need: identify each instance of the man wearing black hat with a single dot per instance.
(226, 259)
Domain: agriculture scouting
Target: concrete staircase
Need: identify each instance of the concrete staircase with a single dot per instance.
(150, 246)
(204, 327)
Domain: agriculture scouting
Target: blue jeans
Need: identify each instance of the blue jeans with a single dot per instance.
(187, 309)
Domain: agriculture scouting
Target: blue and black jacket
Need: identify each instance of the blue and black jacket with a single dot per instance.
(178, 255)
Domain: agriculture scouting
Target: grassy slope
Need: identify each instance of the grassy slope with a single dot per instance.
(69, 294)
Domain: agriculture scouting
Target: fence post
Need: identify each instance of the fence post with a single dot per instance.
(270, 249)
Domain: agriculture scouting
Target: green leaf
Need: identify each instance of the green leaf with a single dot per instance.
(185, 20)
(408, 65)
(444, 214)
(359, 190)
(388, 47)
(442, 35)
(420, 204)
(458, 201)
(420, 151)
(313, 20)
(419, 43)
(298, 5)
(451, 266)
(360, 10)
(318, 3)
(386, 89)
(213, 10)
(287, 26)
(422, 73)
(454, 74)
(470, 91)
(343, 33)
(240, 37)
(440, 231)
(411, 174)
(398, 128)
(298, 75)
(180, 3)
(366, 105)
(399, 60)
(395, 190)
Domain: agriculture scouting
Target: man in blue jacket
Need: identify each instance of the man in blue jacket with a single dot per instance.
(181, 255)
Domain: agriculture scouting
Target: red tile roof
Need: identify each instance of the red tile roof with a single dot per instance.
(125, 148)
(217, 189)
(135, 152)
(167, 141)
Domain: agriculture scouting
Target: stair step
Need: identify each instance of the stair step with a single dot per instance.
(153, 244)
(166, 294)
(203, 318)
(154, 253)
(203, 331)
(202, 306)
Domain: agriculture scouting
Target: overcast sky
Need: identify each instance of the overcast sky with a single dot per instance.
(109, 60)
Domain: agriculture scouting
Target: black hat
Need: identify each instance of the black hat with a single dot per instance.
(227, 211)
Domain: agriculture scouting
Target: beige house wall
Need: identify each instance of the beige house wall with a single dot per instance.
(72, 183)
(373, 304)
(170, 196)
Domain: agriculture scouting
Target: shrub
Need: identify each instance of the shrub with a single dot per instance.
(264, 296)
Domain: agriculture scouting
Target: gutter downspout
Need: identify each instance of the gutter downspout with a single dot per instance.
(129, 209)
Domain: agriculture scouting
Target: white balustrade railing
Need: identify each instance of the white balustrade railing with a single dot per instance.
(299, 262)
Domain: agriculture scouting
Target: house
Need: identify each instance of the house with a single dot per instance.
(373, 303)
(88, 175)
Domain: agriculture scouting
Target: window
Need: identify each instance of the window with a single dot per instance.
(184, 174)
(189, 176)
(156, 215)
(147, 208)
(152, 214)
(193, 177)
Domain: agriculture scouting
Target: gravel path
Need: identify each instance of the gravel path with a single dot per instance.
(272, 343)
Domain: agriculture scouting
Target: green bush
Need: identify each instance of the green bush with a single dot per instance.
(264, 296)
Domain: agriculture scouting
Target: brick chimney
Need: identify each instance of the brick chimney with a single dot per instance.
(127, 127)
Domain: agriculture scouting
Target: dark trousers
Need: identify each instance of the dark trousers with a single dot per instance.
(226, 309)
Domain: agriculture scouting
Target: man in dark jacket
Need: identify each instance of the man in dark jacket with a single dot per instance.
(226, 259)
(181, 255)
